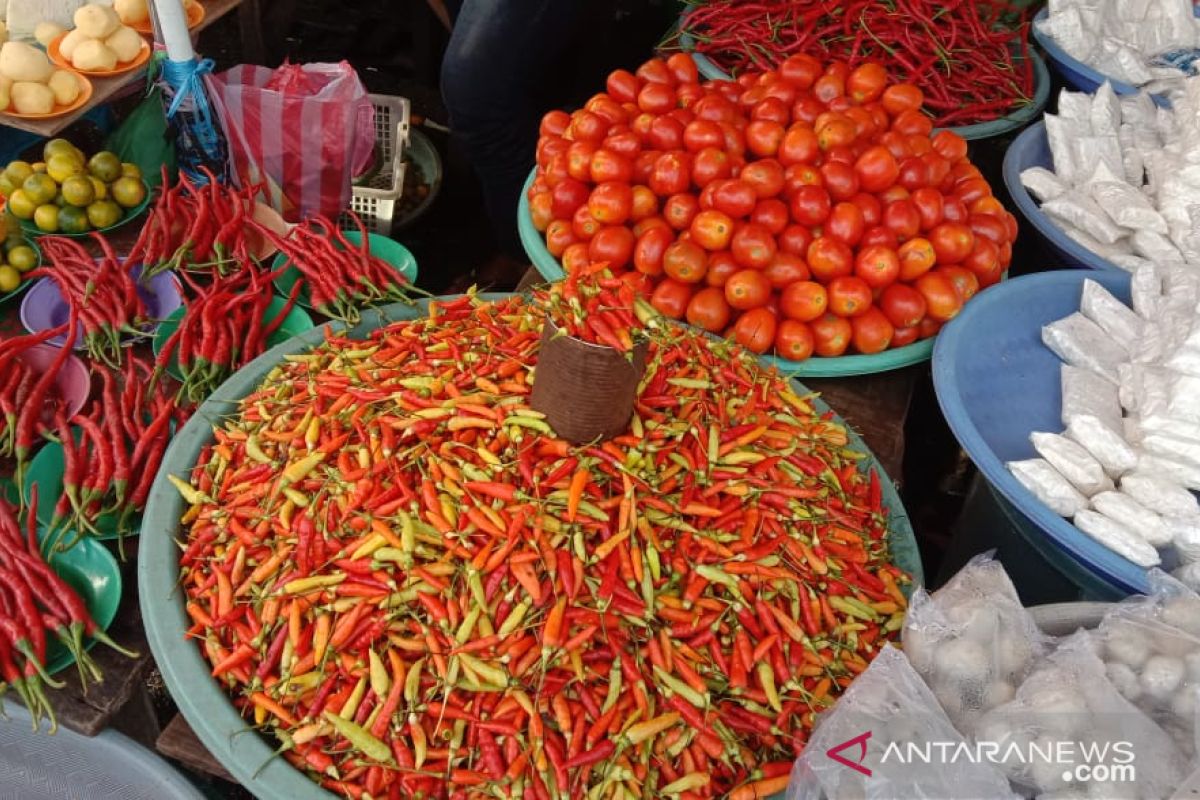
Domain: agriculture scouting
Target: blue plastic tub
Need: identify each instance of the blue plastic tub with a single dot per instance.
(1032, 149)
(996, 383)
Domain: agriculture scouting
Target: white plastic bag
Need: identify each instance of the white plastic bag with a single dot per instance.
(1036, 475)
(1059, 134)
(1128, 512)
(1082, 343)
(1116, 319)
(1077, 209)
(1117, 537)
(1085, 392)
(1042, 183)
(1073, 462)
(1161, 494)
(1109, 448)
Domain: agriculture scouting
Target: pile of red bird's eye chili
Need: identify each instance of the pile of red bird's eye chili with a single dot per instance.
(394, 566)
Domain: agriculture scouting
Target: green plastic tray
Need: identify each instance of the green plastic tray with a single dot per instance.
(204, 704)
(130, 214)
(387, 249)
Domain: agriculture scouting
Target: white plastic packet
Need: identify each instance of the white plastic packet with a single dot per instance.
(1154, 246)
(1069, 698)
(1085, 392)
(1117, 319)
(1189, 575)
(1105, 111)
(1117, 537)
(1042, 183)
(1185, 475)
(1082, 343)
(1135, 517)
(1073, 462)
(1146, 290)
(1098, 149)
(1112, 451)
(1128, 207)
(1079, 210)
(1092, 244)
(887, 705)
(1059, 134)
(1128, 261)
(1185, 536)
(1076, 108)
(1185, 451)
(1161, 494)
(1036, 475)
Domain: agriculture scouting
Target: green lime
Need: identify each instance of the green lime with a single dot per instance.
(105, 166)
(40, 188)
(73, 220)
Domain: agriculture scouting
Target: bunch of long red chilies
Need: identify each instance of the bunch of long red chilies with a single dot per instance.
(109, 466)
(29, 398)
(102, 292)
(394, 565)
(971, 59)
(340, 276)
(35, 601)
(196, 226)
(593, 306)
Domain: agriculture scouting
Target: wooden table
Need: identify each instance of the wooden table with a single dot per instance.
(105, 89)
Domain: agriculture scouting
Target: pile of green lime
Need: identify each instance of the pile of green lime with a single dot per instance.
(67, 192)
(19, 257)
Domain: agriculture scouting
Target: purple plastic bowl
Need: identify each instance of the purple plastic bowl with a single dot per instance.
(44, 307)
(73, 382)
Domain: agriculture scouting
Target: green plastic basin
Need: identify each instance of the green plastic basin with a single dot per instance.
(382, 247)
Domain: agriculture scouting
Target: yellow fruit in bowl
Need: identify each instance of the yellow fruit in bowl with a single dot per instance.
(40, 188)
(40, 166)
(129, 170)
(60, 167)
(57, 147)
(128, 192)
(99, 187)
(105, 166)
(72, 219)
(46, 218)
(22, 258)
(10, 279)
(78, 190)
(18, 171)
(6, 186)
(20, 205)
(104, 214)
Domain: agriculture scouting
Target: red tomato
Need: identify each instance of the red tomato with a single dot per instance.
(928, 328)
(702, 133)
(913, 173)
(930, 206)
(685, 261)
(735, 141)
(846, 223)
(872, 209)
(831, 335)
(714, 108)
(641, 125)
(613, 244)
(849, 296)
(643, 165)
(649, 249)
(871, 332)
(611, 202)
(955, 210)
(844, 154)
(575, 257)
(609, 109)
(919, 145)
(904, 337)
(799, 175)
(772, 214)
(623, 142)
(587, 126)
(896, 144)
(755, 330)
(877, 266)
(912, 123)
(864, 123)
(559, 237)
(799, 145)
(785, 269)
(835, 131)
(828, 87)
(554, 123)
(711, 164)
(829, 258)
(671, 298)
(584, 225)
(807, 109)
(877, 169)
(917, 257)
(656, 98)
(966, 283)
(550, 146)
(622, 85)
(772, 109)
(866, 82)
(903, 305)
(712, 230)
(683, 68)
(709, 310)
(795, 239)
(965, 170)
(937, 168)
(1006, 254)
(811, 205)
(971, 190)
(987, 205)
(950, 146)
(671, 174)
(746, 289)
(1010, 222)
(655, 70)
(984, 260)
(734, 197)
(680, 210)
(902, 97)
(763, 137)
(720, 266)
(902, 218)
(541, 209)
(766, 177)
(650, 223)
(952, 241)
(753, 246)
(579, 160)
(688, 94)
(793, 340)
(666, 133)
(841, 181)
(644, 205)
(880, 236)
(804, 300)
(940, 295)
(800, 70)
(779, 89)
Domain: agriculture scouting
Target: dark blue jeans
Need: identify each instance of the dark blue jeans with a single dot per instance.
(491, 74)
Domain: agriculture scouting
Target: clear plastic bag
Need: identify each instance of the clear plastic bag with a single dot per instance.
(1128, 207)
(1042, 183)
(1116, 537)
(972, 641)
(1107, 445)
(1161, 493)
(1045, 482)
(1070, 698)
(1082, 343)
(1073, 462)
(1058, 134)
(1080, 211)
(1114, 317)
(849, 756)
(1085, 392)
(1135, 517)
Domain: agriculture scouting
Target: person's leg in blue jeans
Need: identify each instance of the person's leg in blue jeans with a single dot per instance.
(490, 80)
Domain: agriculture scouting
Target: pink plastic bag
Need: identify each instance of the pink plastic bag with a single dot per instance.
(303, 131)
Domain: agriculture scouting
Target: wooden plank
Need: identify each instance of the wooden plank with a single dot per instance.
(104, 89)
(180, 742)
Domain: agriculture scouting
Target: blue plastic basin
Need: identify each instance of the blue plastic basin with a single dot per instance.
(996, 383)
(1032, 149)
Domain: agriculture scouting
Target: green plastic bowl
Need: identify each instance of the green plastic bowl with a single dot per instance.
(816, 367)
(92, 572)
(251, 759)
(382, 247)
(46, 470)
(130, 215)
(295, 323)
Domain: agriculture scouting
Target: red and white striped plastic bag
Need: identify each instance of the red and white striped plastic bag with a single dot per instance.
(302, 130)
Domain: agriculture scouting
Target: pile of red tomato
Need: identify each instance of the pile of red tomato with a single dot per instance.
(809, 209)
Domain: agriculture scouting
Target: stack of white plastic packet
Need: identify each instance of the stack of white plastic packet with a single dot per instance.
(1126, 179)
(1123, 468)
(1133, 41)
